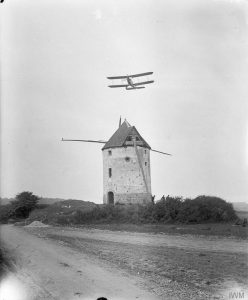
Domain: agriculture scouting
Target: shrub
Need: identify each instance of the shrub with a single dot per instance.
(63, 220)
(23, 204)
(169, 209)
(19, 208)
(5, 213)
(166, 210)
(206, 208)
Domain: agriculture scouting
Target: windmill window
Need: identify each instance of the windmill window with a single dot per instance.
(145, 151)
(137, 138)
(109, 152)
(110, 172)
(145, 163)
(127, 159)
(129, 138)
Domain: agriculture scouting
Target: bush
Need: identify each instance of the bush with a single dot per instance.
(5, 213)
(23, 204)
(167, 210)
(63, 220)
(206, 208)
(19, 208)
(171, 209)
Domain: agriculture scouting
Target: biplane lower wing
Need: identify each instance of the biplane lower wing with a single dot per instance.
(144, 82)
(118, 85)
(134, 88)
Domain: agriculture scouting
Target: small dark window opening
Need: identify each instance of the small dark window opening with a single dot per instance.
(137, 138)
(110, 172)
(145, 151)
(145, 163)
(129, 138)
(127, 159)
(109, 152)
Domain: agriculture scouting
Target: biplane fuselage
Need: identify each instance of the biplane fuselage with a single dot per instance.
(131, 85)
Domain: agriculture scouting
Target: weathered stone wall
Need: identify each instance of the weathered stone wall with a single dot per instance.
(126, 182)
(128, 198)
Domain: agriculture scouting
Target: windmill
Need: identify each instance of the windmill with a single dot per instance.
(126, 166)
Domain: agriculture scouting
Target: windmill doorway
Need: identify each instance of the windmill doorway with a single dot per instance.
(110, 198)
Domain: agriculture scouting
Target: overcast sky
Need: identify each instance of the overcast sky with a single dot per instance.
(55, 56)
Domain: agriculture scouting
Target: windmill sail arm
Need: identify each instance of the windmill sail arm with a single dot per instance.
(161, 152)
(140, 165)
(86, 141)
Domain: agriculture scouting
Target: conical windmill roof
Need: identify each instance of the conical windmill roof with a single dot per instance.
(119, 138)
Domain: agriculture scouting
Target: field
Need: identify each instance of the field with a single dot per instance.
(124, 260)
(206, 229)
(162, 262)
(242, 214)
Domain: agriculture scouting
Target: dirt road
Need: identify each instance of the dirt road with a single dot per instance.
(72, 263)
(48, 270)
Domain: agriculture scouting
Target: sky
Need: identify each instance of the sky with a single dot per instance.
(55, 57)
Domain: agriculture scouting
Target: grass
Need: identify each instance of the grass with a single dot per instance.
(242, 214)
(171, 271)
(53, 212)
(208, 229)
(6, 262)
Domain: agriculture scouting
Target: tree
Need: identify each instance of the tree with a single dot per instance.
(23, 204)
(206, 208)
(5, 213)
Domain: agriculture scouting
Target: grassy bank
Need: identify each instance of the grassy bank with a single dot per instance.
(170, 210)
(6, 262)
(208, 229)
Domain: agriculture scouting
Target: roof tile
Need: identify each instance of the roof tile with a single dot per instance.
(119, 137)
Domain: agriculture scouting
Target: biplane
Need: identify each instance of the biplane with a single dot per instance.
(130, 84)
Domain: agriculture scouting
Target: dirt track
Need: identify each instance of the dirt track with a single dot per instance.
(60, 263)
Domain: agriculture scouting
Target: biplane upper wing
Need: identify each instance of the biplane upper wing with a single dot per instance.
(141, 74)
(131, 76)
(117, 77)
(144, 82)
(118, 85)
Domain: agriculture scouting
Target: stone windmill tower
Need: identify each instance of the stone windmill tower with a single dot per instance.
(126, 166)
